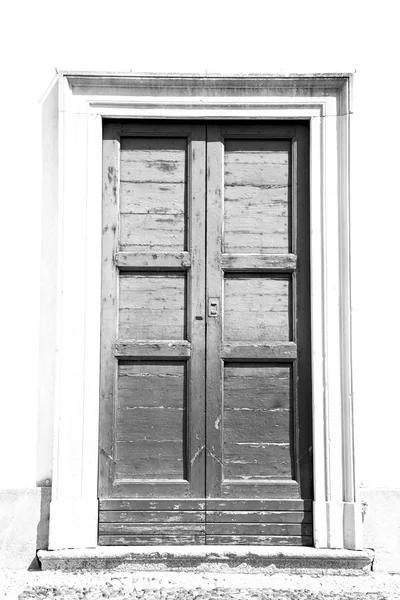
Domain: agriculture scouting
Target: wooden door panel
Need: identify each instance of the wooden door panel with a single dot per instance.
(151, 421)
(152, 306)
(258, 347)
(153, 193)
(257, 420)
(171, 472)
(257, 308)
(153, 329)
(257, 191)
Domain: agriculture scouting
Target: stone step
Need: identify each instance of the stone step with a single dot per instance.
(224, 559)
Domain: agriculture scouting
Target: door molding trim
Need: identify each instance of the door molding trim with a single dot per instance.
(78, 102)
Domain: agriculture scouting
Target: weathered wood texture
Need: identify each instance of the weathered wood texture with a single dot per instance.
(153, 193)
(257, 308)
(255, 487)
(279, 529)
(197, 312)
(258, 516)
(246, 504)
(109, 286)
(155, 261)
(257, 387)
(268, 521)
(152, 306)
(258, 219)
(153, 311)
(214, 386)
(143, 516)
(152, 504)
(257, 421)
(240, 471)
(257, 196)
(259, 262)
(264, 527)
(151, 420)
(146, 349)
(259, 351)
(151, 488)
(183, 538)
(204, 504)
(150, 528)
(259, 540)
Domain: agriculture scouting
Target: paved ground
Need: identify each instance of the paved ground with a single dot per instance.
(20, 585)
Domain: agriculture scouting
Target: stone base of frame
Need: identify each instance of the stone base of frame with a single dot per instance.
(74, 524)
(338, 525)
(229, 559)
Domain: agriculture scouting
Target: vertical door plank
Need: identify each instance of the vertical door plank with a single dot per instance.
(302, 312)
(196, 316)
(108, 307)
(214, 323)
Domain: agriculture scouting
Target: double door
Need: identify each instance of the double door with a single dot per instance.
(205, 392)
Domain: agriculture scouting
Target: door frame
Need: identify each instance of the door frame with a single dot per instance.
(73, 110)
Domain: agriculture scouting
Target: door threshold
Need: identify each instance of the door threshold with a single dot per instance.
(228, 559)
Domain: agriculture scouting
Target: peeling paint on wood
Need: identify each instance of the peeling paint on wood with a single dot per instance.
(258, 516)
(152, 306)
(257, 197)
(160, 261)
(153, 539)
(259, 540)
(153, 190)
(146, 349)
(257, 308)
(151, 504)
(171, 516)
(153, 350)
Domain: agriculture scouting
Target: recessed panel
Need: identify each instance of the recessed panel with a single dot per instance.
(257, 196)
(257, 308)
(150, 420)
(257, 421)
(152, 306)
(153, 194)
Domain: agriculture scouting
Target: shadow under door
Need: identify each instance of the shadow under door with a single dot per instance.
(205, 399)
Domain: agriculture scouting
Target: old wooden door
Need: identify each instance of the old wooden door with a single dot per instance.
(205, 412)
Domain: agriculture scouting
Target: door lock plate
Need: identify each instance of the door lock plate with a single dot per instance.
(213, 307)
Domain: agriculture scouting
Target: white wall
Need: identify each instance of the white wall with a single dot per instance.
(216, 37)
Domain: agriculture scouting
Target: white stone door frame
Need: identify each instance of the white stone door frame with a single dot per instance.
(83, 100)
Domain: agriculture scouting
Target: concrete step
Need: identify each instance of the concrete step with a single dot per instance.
(223, 559)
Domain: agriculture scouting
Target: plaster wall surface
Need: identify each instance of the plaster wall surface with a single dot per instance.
(24, 526)
(217, 38)
(382, 527)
